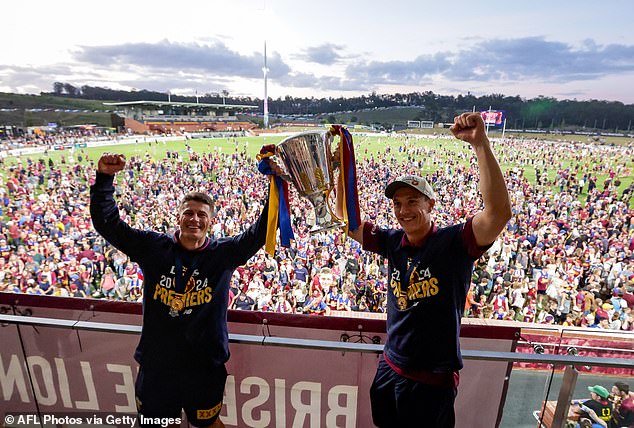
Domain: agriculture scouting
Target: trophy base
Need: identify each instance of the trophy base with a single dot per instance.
(326, 226)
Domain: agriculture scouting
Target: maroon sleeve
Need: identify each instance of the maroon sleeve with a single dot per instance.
(469, 241)
(371, 238)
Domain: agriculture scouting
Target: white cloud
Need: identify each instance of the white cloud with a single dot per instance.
(330, 48)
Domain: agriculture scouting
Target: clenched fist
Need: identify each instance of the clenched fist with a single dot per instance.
(111, 163)
(469, 127)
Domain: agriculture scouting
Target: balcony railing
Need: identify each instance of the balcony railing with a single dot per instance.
(74, 355)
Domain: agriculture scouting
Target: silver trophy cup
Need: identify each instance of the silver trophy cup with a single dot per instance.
(307, 161)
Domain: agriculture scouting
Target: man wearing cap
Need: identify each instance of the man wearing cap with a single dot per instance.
(184, 342)
(429, 274)
(598, 409)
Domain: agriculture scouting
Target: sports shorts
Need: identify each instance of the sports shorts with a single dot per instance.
(164, 392)
(401, 402)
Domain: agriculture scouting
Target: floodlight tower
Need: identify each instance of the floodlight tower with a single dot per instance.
(265, 70)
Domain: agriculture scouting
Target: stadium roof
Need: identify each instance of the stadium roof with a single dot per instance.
(180, 104)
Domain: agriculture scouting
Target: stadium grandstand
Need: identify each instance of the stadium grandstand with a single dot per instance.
(176, 117)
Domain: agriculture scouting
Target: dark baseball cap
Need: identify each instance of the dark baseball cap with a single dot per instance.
(413, 181)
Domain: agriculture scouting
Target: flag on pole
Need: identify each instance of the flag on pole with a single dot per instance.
(493, 117)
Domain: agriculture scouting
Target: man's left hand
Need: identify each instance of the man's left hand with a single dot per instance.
(275, 167)
(270, 148)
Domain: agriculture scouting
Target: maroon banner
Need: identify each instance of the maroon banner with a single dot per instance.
(268, 386)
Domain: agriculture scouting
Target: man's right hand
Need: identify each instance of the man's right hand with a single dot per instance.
(336, 161)
(469, 127)
(111, 163)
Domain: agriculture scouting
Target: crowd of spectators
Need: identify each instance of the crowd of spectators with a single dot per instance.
(566, 257)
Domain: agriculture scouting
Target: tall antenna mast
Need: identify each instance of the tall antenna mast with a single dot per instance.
(265, 70)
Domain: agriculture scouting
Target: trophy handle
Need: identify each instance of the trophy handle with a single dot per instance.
(285, 175)
(336, 162)
(335, 217)
(286, 178)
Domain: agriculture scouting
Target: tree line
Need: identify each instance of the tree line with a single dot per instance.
(521, 113)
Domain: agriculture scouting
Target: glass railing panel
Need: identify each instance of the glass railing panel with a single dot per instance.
(14, 377)
(536, 386)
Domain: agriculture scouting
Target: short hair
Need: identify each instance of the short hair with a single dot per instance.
(201, 197)
(622, 386)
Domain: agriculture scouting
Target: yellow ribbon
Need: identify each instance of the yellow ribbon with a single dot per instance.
(272, 218)
(342, 179)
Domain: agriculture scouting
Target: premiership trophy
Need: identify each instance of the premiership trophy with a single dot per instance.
(307, 161)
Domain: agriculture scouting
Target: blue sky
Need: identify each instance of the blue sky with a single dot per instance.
(563, 49)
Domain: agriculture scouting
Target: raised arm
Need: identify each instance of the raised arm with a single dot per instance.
(105, 213)
(488, 223)
(110, 163)
(243, 246)
(103, 208)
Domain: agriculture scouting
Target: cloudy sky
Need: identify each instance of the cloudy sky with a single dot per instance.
(567, 49)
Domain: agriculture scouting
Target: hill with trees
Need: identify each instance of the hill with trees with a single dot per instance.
(537, 113)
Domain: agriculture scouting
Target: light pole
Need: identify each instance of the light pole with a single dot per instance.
(265, 70)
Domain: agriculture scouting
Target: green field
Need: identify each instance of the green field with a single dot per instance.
(373, 145)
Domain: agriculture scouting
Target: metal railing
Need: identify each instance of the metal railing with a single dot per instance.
(329, 345)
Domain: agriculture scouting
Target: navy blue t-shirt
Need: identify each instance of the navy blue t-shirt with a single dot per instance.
(198, 332)
(424, 310)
